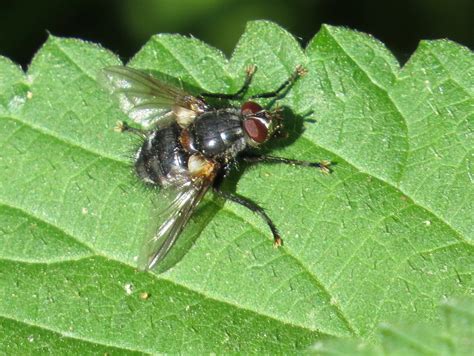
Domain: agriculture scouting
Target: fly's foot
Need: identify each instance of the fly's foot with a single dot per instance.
(121, 126)
(301, 71)
(250, 70)
(324, 166)
(277, 241)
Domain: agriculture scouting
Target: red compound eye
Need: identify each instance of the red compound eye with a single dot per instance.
(256, 129)
(250, 107)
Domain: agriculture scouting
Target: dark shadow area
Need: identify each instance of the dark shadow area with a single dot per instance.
(199, 220)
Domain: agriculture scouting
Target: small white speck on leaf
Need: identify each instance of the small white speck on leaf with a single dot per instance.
(128, 287)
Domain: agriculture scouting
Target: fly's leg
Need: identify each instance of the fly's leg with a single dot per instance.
(277, 241)
(122, 126)
(299, 72)
(249, 72)
(324, 166)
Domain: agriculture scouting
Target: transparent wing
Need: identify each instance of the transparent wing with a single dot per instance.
(146, 100)
(181, 203)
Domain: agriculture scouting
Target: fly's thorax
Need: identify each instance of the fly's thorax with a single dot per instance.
(218, 133)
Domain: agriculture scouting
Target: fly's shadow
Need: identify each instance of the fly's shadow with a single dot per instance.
(203, 215)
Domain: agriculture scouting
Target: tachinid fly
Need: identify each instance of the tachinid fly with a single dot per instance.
(189, 146)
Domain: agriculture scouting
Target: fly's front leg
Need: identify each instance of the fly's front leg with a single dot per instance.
(277, 241)
(324, 166)
(249, 72)
(122, 126)
(299, 72)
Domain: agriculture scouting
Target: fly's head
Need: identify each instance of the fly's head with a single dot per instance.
(259, 124)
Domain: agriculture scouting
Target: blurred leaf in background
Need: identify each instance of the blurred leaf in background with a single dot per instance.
(454, 335)
(124, 26)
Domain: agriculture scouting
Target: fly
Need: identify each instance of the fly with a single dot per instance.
(190, 146)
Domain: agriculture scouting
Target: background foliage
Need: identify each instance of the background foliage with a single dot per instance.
(124, 25)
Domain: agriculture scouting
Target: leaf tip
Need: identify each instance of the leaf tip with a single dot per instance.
(259, 25)
(52, 38)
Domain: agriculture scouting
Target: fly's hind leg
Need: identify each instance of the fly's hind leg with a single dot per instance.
(277, 241)
(122, 126)
(324, 166)
(249, 72)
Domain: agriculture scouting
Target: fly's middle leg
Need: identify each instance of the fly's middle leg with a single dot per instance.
(324, 166)
(277, 241)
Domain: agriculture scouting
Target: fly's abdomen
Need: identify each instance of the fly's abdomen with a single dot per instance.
(218, 133)
(161, 158)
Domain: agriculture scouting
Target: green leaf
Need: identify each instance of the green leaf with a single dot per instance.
(453, 336)
(383, 239)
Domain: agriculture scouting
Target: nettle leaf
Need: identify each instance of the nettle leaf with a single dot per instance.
(385, 238)
(453, 336)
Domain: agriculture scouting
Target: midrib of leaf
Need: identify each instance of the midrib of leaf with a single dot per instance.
(344, 318)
